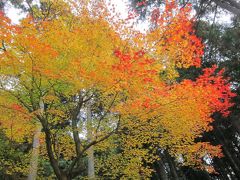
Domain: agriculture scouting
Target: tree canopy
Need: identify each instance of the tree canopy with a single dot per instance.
(91, 81)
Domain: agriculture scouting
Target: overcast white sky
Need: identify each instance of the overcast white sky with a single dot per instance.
(120, 6)
(16, 14)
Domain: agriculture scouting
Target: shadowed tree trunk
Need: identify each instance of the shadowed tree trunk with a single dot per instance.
(230, 5)
(90, 152)
(232, 159)
(172, 166)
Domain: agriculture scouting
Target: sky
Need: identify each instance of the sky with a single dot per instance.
(15, 14)
(121, 7)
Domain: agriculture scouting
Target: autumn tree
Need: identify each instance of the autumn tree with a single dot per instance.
(143, 7)
(220, 37)
(78, 62)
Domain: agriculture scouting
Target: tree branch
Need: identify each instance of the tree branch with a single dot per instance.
(70, 169)
(74, 114)
(228, 6)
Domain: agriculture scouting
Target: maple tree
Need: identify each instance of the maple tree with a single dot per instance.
(53, 68)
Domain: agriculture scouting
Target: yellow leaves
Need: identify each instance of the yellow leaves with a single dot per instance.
(127, 164)
(15, 121)
(56, 112)
(50, 98)
(55, 60)
(6, 30)
(11, 167)
(63, 146)
(52, 9)
(173, 119)
(195, 154)
(75, 53)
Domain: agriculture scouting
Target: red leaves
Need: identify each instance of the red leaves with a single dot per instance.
(142, 3)
(117, 53)
(211, 86)
(178, 39)
(16, 107)
(146, 103)
(6, 28)
(135, 66)
(147, 80)
(155, 15)
(125, 61)
(138, 54)
(219, 91)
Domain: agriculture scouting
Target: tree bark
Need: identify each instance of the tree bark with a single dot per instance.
(161, 172)
(172, 166)
(232, 159)
(229, 5)
(234, 166)
(90, 151)
(35, 154)
(53, 161)
(75, 126)
(221, 166)
(36, 144)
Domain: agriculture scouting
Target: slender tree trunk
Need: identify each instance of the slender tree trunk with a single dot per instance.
(161, 171)
(234, 165)
(236, 124)
(49, 145)
(222, 168)
(65, 177)
(172, 167)
(35, 154)
(90, 152)
(232, 159)
(53, 161)
(2, 4)
(230, 5)
(182, 175)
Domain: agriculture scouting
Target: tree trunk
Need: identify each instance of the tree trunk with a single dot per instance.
(230, 5)
(49, 147)
(162, 172)
(1, 6)
(90, 152)
(64, 176)
(234, 166)
(172, 166)
(53, 161)
(232, 159)
(221, 167)
(35, 154)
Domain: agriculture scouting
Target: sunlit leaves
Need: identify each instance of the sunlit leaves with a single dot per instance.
(129, 80)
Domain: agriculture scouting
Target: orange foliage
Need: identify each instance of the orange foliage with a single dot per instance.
(80, 53)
